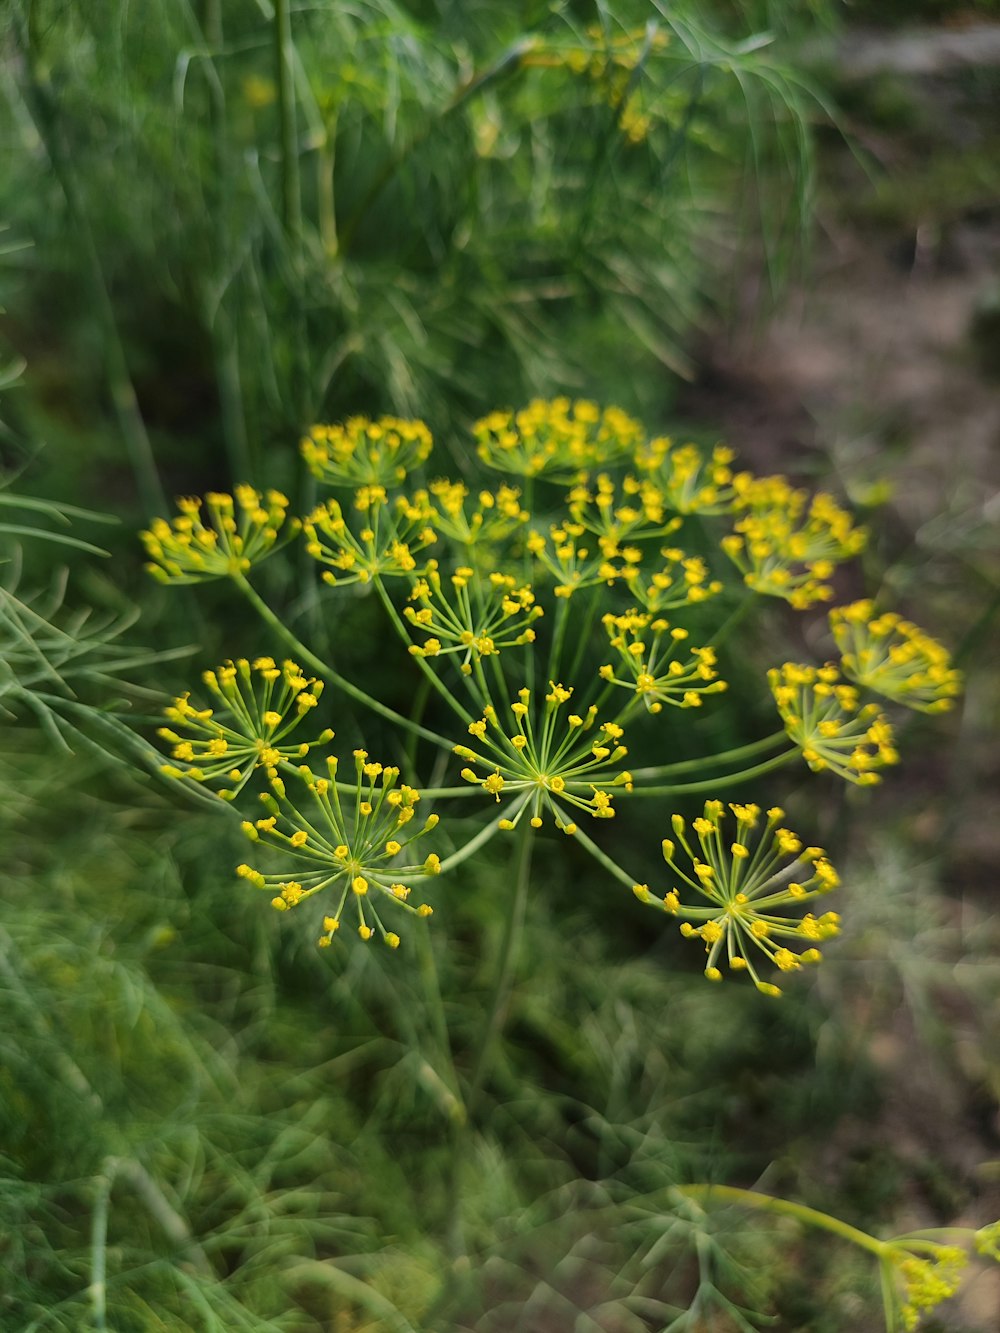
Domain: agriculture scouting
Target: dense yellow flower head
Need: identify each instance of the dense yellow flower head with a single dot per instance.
(785, 547)
(217, 537)
(557, 438)
(824, 718)
(743, 881)
(930, 1273)
(361, 452)
(546, 759)
(261, 705)
(353, 850)
(894, 658)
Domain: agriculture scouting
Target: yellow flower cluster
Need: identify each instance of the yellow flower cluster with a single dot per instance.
(357, 850)
(479, 619)
(746, 884)
(648, 653)
(262, 705)
(928, 1278)
(689, 482)
(362, 452)
(547, 761)
(481, 616)
(217, 537)
(559, 438)
(784, 548)
(385, 543)
(495, 515)
(576, 567)
(894, 657)
(683, 581)
(822, 715)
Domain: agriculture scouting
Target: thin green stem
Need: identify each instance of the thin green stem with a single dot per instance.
(725, 779)
(291, 194)
(483, 836)
(431, 987)
(555, 650)
(684, 765)
(490, 1031)
(810, 1217)
(328, 673)
(427, 672)
(734, 619)
(419, 705)
(99, 1246)
(612, 867)
(583, 636)
(508, 961)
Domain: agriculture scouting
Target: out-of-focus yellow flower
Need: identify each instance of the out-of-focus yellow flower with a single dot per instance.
(823, 717)
(785, 547)
(361, 452)
(894, 658)
(557, 438)
(217, 537)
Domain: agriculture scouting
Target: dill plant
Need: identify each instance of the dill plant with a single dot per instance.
(568, 604)
(551, 620)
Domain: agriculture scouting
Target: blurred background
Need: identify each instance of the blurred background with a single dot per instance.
(774, 224)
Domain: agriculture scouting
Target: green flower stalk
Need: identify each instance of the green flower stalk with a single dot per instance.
(262, 704)
(894, 658)
(362, 452)
(919, 1271)
(823, 717)
(218, 537)
(353, 851)
(744, 887)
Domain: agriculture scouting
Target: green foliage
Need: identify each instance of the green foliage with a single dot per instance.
(409, 210)
(206, 1122)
